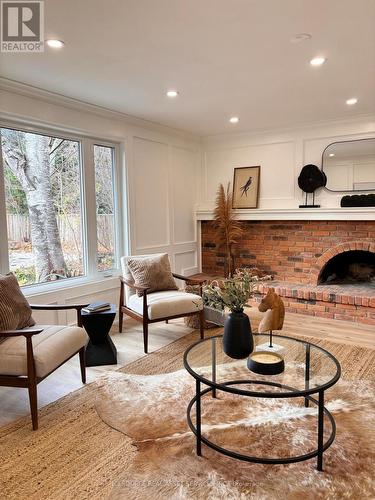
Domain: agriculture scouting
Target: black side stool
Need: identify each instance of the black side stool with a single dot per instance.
(100, 349)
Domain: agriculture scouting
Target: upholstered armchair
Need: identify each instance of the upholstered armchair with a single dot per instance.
(147, 306)
(29, 355)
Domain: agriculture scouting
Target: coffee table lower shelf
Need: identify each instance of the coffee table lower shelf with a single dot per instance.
(322, 410)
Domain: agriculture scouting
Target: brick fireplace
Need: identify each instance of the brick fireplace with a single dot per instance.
(296, 253)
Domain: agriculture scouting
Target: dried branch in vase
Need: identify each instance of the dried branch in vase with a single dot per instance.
(228, 228)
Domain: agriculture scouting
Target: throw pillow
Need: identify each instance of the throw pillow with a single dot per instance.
(154, 272)
(15, 312)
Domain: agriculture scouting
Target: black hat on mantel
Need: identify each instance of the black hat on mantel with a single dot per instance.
(311, 178)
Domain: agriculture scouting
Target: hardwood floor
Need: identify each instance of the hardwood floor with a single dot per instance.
(14, 402)
(343, 332)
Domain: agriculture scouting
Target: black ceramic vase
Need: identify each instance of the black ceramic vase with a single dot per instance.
(237, 339)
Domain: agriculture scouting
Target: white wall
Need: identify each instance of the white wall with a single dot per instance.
(281, 155)
(160, 165)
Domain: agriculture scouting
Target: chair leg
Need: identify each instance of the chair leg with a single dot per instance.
(32, 383)
(82, 364)
(120, 319)
(33, 398)
(145, 336)
(122, 297)
(201, 323)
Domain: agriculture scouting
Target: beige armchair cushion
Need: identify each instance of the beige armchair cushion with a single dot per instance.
(54, 345)
(15, 312)
(167, 303)
(153, 272)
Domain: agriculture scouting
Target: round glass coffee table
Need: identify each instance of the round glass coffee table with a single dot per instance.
(309, 370)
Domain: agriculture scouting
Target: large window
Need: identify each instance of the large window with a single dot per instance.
(46, 204)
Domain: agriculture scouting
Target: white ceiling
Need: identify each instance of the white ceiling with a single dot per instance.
(226, 57)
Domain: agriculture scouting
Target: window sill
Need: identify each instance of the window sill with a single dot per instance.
(73, 284)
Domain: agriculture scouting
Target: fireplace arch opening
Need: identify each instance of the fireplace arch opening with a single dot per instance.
(353, 266)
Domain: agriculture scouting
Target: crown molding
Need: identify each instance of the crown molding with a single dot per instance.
(254, 133)
(47, 96)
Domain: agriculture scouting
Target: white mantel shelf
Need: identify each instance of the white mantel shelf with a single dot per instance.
(362, 213)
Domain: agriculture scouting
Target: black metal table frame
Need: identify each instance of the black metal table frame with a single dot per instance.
(292, 393)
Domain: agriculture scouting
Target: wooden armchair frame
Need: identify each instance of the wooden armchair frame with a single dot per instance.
(144, 319)
(30, 381)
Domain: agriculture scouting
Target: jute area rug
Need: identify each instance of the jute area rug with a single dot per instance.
(147, 451)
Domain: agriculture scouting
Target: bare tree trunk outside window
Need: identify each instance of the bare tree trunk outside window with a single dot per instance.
(44, 230)
(28, 158)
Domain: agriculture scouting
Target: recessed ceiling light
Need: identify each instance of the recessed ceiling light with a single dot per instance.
(234, 119)
(172, 93)
(318, 61)
(352, 101)
(55, 44)
(331, 154)
(300, 37)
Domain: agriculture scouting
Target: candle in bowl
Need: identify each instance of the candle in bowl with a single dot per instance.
(265, 363)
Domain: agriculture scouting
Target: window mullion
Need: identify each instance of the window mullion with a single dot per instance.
(90, 206)
(117, 199)
(4, 254)
(120, 204)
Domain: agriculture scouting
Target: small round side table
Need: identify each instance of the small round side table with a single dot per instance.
(100, 350)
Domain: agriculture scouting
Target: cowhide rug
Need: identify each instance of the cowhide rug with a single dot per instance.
(151, 410)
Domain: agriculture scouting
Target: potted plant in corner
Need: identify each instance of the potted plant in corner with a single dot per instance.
(234, 294)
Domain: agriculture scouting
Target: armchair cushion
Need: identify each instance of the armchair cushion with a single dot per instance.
(165, 304)
(15, 312)
(153, 272)
(54, 345)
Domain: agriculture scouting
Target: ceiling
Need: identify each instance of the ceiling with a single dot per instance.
(225, 57)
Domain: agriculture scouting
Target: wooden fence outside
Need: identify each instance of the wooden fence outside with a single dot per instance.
(69, 229)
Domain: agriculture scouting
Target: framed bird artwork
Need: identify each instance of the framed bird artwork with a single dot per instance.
(246, 187)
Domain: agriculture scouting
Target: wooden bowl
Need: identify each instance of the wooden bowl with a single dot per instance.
(265, 363)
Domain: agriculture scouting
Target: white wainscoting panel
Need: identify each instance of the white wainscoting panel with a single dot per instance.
(150, 178)
(169, 226)
(186, 262)
(183, 172)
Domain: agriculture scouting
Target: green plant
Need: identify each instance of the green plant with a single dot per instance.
(25, 275)
(234, 292)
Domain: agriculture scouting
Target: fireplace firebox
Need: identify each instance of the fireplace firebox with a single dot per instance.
(353, 266)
